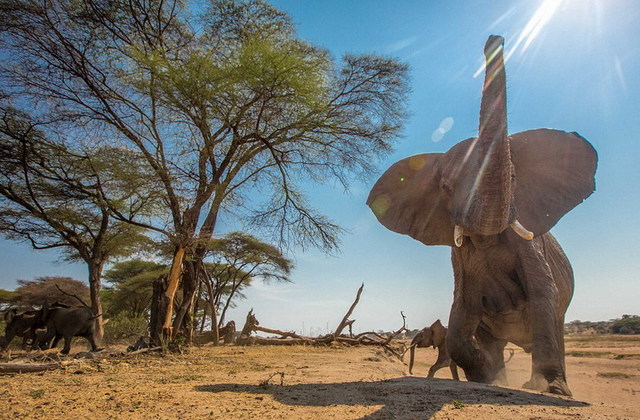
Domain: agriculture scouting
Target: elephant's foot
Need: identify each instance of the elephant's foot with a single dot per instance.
(500, 378)
(539, 383)
(559, 387)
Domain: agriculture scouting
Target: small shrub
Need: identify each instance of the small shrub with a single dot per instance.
(37, 393)
(122, 328)
(457, 404)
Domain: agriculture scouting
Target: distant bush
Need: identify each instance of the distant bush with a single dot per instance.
(628, 324)
(121, 328)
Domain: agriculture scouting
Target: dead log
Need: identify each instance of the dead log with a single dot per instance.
(27, 367)
(283, 341)
(345, 319)
(289, 334)
(147, 350)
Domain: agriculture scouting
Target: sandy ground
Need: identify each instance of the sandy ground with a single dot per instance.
(274, 382)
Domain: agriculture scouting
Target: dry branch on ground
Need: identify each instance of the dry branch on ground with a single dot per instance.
(291, 338)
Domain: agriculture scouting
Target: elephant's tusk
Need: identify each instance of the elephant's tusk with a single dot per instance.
(458, 235)
(521, 231)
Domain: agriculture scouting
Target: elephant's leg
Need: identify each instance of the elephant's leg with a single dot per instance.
(45, 340)
(67, 343)
(559, 385)
(465, 316)
(25, 338)
(462, 345)
(56, 340)
(442, 361)
(494, 348)
(92, 342)
(454, 370)
(547, 349)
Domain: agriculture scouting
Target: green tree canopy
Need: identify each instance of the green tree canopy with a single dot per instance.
(131, 287)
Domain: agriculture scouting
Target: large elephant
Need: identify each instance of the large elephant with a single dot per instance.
(435, 336)
(68, 323)
(493, 199)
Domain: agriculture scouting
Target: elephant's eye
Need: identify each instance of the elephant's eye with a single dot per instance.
(446, 188)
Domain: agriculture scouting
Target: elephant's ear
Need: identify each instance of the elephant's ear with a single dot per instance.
(439, 333)
(407, 199)
(554, 173)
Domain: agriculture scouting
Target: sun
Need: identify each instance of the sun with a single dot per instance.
(584, 13)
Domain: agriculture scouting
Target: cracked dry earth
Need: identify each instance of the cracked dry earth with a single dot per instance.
(277, 382)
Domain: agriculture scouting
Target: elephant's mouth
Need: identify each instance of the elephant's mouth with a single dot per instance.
(516, 226)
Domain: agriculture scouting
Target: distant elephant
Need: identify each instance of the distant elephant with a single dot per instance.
(435, 336)
(228, 332)
(493, 199)
(68, 323)
(19, 325)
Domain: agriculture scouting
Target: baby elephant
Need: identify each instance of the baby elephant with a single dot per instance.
(434, 336)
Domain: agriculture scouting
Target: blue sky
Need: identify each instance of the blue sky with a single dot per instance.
(575, 66)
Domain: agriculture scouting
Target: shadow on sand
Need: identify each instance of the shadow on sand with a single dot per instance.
(401, 398)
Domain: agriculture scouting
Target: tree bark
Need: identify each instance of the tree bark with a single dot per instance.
(27, 367)
(95, 284)
(182, 321)
(159, 307)
(173, 281)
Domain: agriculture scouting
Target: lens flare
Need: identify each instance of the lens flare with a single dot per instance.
(531, 30)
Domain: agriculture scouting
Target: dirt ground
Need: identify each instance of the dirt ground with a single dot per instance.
(277, 382)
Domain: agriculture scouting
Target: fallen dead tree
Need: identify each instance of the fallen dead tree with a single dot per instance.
(27, 367)
(289, 338)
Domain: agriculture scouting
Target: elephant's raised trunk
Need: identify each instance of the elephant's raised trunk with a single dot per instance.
(412, 353)
(489, 209)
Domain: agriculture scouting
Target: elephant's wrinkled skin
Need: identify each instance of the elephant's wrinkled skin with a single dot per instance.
(493, 199)
(435, 336)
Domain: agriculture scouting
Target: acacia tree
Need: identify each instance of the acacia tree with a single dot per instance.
(223, 102)
(238, 259)
(43, 290)
(131, 286)
(50, 198)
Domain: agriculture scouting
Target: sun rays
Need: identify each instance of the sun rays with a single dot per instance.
(531, 30)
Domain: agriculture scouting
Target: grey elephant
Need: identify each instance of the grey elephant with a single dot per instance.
(493, 199)
(19, 324)
(68, 323)
(435, 336)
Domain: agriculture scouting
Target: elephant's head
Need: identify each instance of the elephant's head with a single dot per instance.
(483, 185)
(428, 336)
(17, 324)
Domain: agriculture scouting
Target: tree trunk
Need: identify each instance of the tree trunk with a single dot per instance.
(95, 284)
(182, 321)
(159, 307)
(212, 307)
(173, 281)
